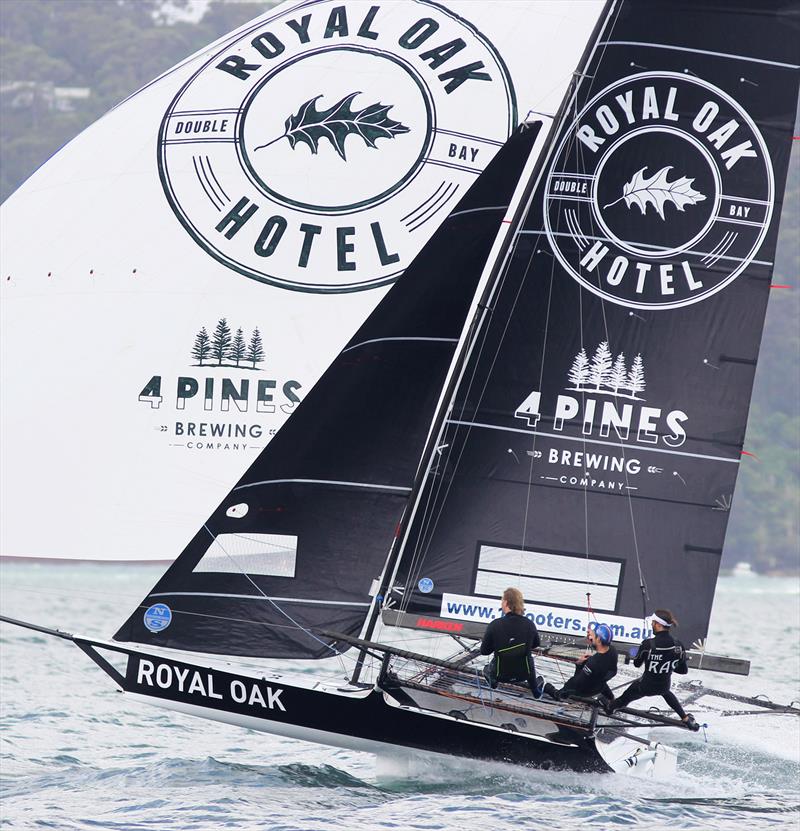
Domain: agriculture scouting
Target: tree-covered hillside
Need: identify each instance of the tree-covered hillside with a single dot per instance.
(764, 526)
(63, 63)
(110, 47)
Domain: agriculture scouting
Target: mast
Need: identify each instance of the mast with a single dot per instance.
(480, 311)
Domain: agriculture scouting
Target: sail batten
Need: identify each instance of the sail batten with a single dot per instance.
(259, 597)
(675, 48)
(368, 485)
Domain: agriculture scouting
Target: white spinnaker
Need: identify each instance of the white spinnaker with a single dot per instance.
(107, 277)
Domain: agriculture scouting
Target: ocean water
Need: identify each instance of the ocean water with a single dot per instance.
(75, 754)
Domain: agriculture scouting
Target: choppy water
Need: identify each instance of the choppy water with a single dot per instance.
(77, 754)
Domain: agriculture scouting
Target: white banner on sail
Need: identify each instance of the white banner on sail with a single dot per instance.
(178, 276)
(554, 619)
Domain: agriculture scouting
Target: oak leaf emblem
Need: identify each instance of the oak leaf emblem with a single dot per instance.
(310, 125)
(657, 191)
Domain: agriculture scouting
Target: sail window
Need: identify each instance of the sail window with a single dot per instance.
(238, 511)
(268, 555)
(557, 579)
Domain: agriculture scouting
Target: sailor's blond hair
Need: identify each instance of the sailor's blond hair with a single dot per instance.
(513, 597)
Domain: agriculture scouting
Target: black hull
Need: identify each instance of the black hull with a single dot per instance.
(372, 720)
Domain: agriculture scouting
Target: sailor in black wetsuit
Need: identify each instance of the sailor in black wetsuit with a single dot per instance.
(511, 638)
(661, 655)
(592, 672)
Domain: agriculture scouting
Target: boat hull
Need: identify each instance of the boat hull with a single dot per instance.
(359, 719)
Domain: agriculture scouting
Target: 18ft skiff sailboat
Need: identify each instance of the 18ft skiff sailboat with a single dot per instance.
(554, 395)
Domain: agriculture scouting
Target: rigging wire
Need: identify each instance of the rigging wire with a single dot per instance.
(530, 492)
(266, 597)
(433, 499)
(430, 523)
(628, 493)
(435, 504)
(432, 514)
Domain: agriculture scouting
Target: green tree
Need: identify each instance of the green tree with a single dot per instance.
(111, 47)
(764, 527)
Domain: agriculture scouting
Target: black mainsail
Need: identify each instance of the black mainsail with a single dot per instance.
(299, 540)
(592, 446)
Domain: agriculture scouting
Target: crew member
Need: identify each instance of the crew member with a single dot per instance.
(661, 655)
(511, 638)
(592, 671)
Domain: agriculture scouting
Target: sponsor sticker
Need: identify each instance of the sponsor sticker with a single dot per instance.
(158, 617)
(425, 585)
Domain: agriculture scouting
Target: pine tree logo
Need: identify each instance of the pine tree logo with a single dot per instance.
(236, 352)
(202, 347)
(226, 349)
(255, 349)
(607, 374)
(220, 343)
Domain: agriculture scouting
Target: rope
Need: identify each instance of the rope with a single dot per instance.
(589, 609)
(430, 523)
(266, 597)
(642, 584)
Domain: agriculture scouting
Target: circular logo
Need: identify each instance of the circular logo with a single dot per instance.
(660, 193)
(425, 585)
(158, 617)
(319, 150)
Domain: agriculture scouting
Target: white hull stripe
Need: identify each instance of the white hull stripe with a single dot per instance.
(260, 597)
(367, 485)
(384, 340)
(637, 447)
(698, 52)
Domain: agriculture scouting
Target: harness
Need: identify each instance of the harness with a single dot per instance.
(513, 662)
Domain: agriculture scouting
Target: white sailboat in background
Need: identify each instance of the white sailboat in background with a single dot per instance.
(460, 442)
(193, 261)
